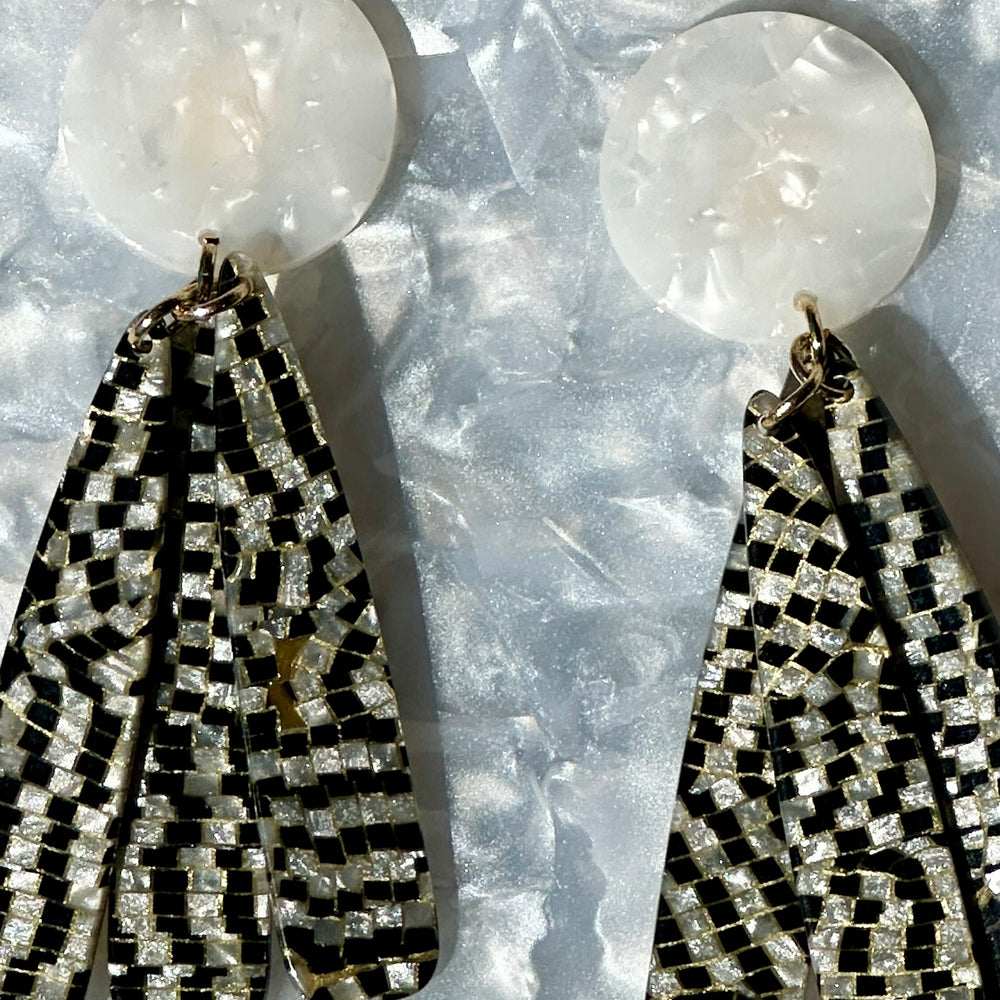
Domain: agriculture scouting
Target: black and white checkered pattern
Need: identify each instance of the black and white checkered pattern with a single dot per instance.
(200, 550)
(71, 682)
(189, 914)
(874, 876)
(942, 627)
(354, 903)
(863, 738)
(729, 920)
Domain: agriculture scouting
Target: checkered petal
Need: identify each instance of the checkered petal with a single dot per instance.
(729, 922)
(943, 631)
(71, 682)
(189, 912)
(353, 902)
(872, 866)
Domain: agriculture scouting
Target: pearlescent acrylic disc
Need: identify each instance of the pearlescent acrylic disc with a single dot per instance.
(760, 154)
(271, 121)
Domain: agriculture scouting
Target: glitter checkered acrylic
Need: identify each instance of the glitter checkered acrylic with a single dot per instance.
(198, 601)
(838, 798)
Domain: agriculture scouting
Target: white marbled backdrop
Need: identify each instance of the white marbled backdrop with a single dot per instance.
(543, 469)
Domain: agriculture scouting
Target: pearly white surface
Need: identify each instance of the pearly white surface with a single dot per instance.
(544, 470)
(759, 154)
(271, 121)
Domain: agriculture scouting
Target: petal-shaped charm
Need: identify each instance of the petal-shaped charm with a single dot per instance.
(189, 914)
(729, 921)
(873, 869)
(354, 906)
(942, 630)
(71, 682)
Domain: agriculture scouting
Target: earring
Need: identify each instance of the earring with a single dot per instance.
(838, 800)
(198, 602)
(838, 797)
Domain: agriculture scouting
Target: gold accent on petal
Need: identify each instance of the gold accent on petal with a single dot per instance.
(279, 694)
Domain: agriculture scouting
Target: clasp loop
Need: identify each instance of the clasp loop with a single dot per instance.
(198, 302)
(810, 362)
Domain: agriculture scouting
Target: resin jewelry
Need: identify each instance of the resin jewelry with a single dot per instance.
(838, 801)
(272, 123)
(838, 804)
(198, 603)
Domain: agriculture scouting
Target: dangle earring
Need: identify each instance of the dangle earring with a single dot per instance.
(838, 809)
(838, 800)
(196, 710)
(198, 592)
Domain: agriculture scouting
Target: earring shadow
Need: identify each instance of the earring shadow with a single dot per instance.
(395, 37)
(318, 300)
(950, 437)
(930, 95)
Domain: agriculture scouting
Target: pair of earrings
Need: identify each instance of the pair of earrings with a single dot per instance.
(198, 601)
(198, 581)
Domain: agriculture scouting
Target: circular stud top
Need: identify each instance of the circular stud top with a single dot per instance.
(761, 153)
(271, 121)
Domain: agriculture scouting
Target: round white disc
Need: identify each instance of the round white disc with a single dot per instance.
(271, 121)
(761, 154)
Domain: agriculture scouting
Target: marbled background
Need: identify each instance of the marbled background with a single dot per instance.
(544, 470)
